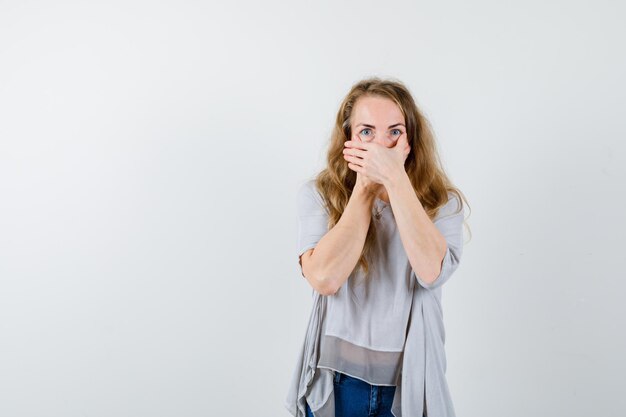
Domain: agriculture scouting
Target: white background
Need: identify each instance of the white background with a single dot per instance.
(149, 157)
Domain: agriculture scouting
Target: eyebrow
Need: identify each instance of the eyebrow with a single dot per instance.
(366, 125)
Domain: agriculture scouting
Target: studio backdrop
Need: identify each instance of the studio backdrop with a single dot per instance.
(150, 155)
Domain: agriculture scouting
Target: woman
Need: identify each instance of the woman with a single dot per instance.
(380, 230)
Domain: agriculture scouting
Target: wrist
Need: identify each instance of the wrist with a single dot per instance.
(396, 179)
(364, 192)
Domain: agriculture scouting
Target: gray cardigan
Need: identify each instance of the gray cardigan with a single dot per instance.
(422, 378)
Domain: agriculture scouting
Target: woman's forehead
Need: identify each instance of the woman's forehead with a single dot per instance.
(379, 111)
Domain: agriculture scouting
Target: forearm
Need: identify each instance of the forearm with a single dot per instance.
(338, 252)
(425, 246)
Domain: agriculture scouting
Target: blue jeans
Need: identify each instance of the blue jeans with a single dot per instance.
(356, 398)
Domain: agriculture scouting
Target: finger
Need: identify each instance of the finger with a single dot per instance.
(354, 152)
(353, 160)
(402, 142)
(357, 144)
(355, 139)
(355, 168)
(403, 147)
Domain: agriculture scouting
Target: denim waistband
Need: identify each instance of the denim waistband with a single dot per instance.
(340, 376)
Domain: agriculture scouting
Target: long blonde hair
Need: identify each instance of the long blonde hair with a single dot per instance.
(423, 165)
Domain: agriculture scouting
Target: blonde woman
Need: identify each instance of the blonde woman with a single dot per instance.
(380, 231)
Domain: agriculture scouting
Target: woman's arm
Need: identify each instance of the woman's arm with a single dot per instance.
(334, 257)
(424, 244)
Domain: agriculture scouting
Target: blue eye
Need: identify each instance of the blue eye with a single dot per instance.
(399, 131)
(364, 130)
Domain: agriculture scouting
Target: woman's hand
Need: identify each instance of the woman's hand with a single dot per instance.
(377, 163)
(362, 180)
(371, 187)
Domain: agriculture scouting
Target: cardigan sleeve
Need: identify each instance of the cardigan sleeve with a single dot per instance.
(449, 221)
(312, 218)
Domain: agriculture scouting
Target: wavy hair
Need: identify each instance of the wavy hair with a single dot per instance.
(423, 165)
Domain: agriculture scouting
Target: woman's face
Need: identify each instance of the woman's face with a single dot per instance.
(377, 119)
